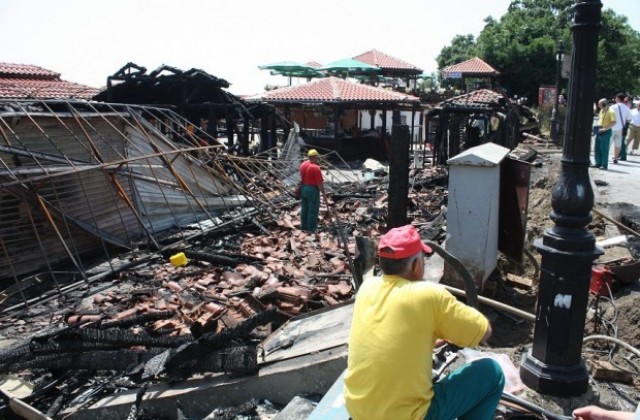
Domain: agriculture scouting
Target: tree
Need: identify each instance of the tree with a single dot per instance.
(618, 69)
(463, 47)
(523, 45)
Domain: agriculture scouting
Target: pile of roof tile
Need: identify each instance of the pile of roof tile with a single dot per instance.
(152, 321)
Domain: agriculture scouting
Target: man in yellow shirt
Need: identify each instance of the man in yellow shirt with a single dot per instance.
(397, 320)
(603, 131)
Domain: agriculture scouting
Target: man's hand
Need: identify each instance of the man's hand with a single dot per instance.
(596, 413)
(439, 343)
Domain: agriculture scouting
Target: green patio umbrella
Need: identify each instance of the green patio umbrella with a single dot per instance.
(291, 69)
(350, 66)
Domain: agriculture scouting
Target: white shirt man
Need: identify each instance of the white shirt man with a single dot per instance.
(634, 129)
(623, 114)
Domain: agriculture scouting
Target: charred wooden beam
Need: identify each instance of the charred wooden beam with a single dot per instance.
(120, 338)
(236, 359)
(119, 360)
(213, 259)
(210, 342)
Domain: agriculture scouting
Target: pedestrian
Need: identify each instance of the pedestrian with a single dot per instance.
(634, 129)
(592, 412)
(398, 319)
(623, 115)
(606, 121)
(312, 186)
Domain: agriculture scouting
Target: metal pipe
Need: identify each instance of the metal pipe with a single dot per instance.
(495, 304)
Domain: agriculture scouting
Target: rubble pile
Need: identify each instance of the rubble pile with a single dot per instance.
(158, 322)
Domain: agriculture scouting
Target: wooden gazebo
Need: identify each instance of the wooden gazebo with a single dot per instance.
(474, 68)
(348, 117)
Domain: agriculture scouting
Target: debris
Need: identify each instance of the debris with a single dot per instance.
(298, 409)
(605, 371)
(519, 281)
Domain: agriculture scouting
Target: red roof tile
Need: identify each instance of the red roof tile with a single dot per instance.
(385, 61)
(334, 89)
(474, 66)
(26, 71)
(314, 64)
(25, 81)
(44, 89)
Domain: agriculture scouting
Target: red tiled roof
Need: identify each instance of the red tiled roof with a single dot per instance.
(477, 98)
(334, 89)
(26, 71)
(25, 81)
(384, 61)
(474, 66)
(314, 64)
(44, 89)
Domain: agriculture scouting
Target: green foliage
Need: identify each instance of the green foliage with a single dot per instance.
(618, 57)
(463, 47)
(523, 44)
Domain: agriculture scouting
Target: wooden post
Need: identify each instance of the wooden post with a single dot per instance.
(229, 121)
(245, 137)
(273, 138)
(413, 119)
(212, 124)
(264, 130)
(398, 176)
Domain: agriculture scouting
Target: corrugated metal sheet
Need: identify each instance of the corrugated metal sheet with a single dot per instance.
(75, 183)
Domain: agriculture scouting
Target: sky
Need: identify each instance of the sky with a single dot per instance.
(88, 40)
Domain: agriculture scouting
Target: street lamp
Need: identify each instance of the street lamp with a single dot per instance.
(555, 122)
(554, 364)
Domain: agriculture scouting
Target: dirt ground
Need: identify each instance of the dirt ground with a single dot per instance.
(618, 317)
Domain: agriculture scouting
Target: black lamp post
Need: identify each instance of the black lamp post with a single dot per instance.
(555, 121)
(554, 364)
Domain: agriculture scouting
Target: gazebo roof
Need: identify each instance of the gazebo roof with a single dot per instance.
(333, 89)
(472, 67)
(386, 62)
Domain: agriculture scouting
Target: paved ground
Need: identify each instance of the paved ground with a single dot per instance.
(620, 183)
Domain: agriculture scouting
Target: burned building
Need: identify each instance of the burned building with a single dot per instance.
(474, 118)
(201, 99)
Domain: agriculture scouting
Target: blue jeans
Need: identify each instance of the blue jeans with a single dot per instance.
(471, 392)
(309, 207)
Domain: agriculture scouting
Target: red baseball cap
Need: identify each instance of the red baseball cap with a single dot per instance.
(402, 242)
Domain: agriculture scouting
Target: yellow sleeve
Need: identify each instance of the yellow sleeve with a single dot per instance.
(458, 323)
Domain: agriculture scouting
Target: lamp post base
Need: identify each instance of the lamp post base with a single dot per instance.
(561, 381)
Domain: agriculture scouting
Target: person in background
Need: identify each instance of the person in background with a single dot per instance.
(606, 121)
(623, 115)
(312, 186)
(634, 129)
(398, 319)
(596, 413)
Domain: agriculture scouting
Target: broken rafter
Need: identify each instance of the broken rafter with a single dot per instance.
(177, 363)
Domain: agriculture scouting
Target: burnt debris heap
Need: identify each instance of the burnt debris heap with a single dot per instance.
(200, 98)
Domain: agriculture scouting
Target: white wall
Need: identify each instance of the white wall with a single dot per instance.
(365, 122)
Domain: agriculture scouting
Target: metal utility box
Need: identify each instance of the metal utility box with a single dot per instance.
(472, 215)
